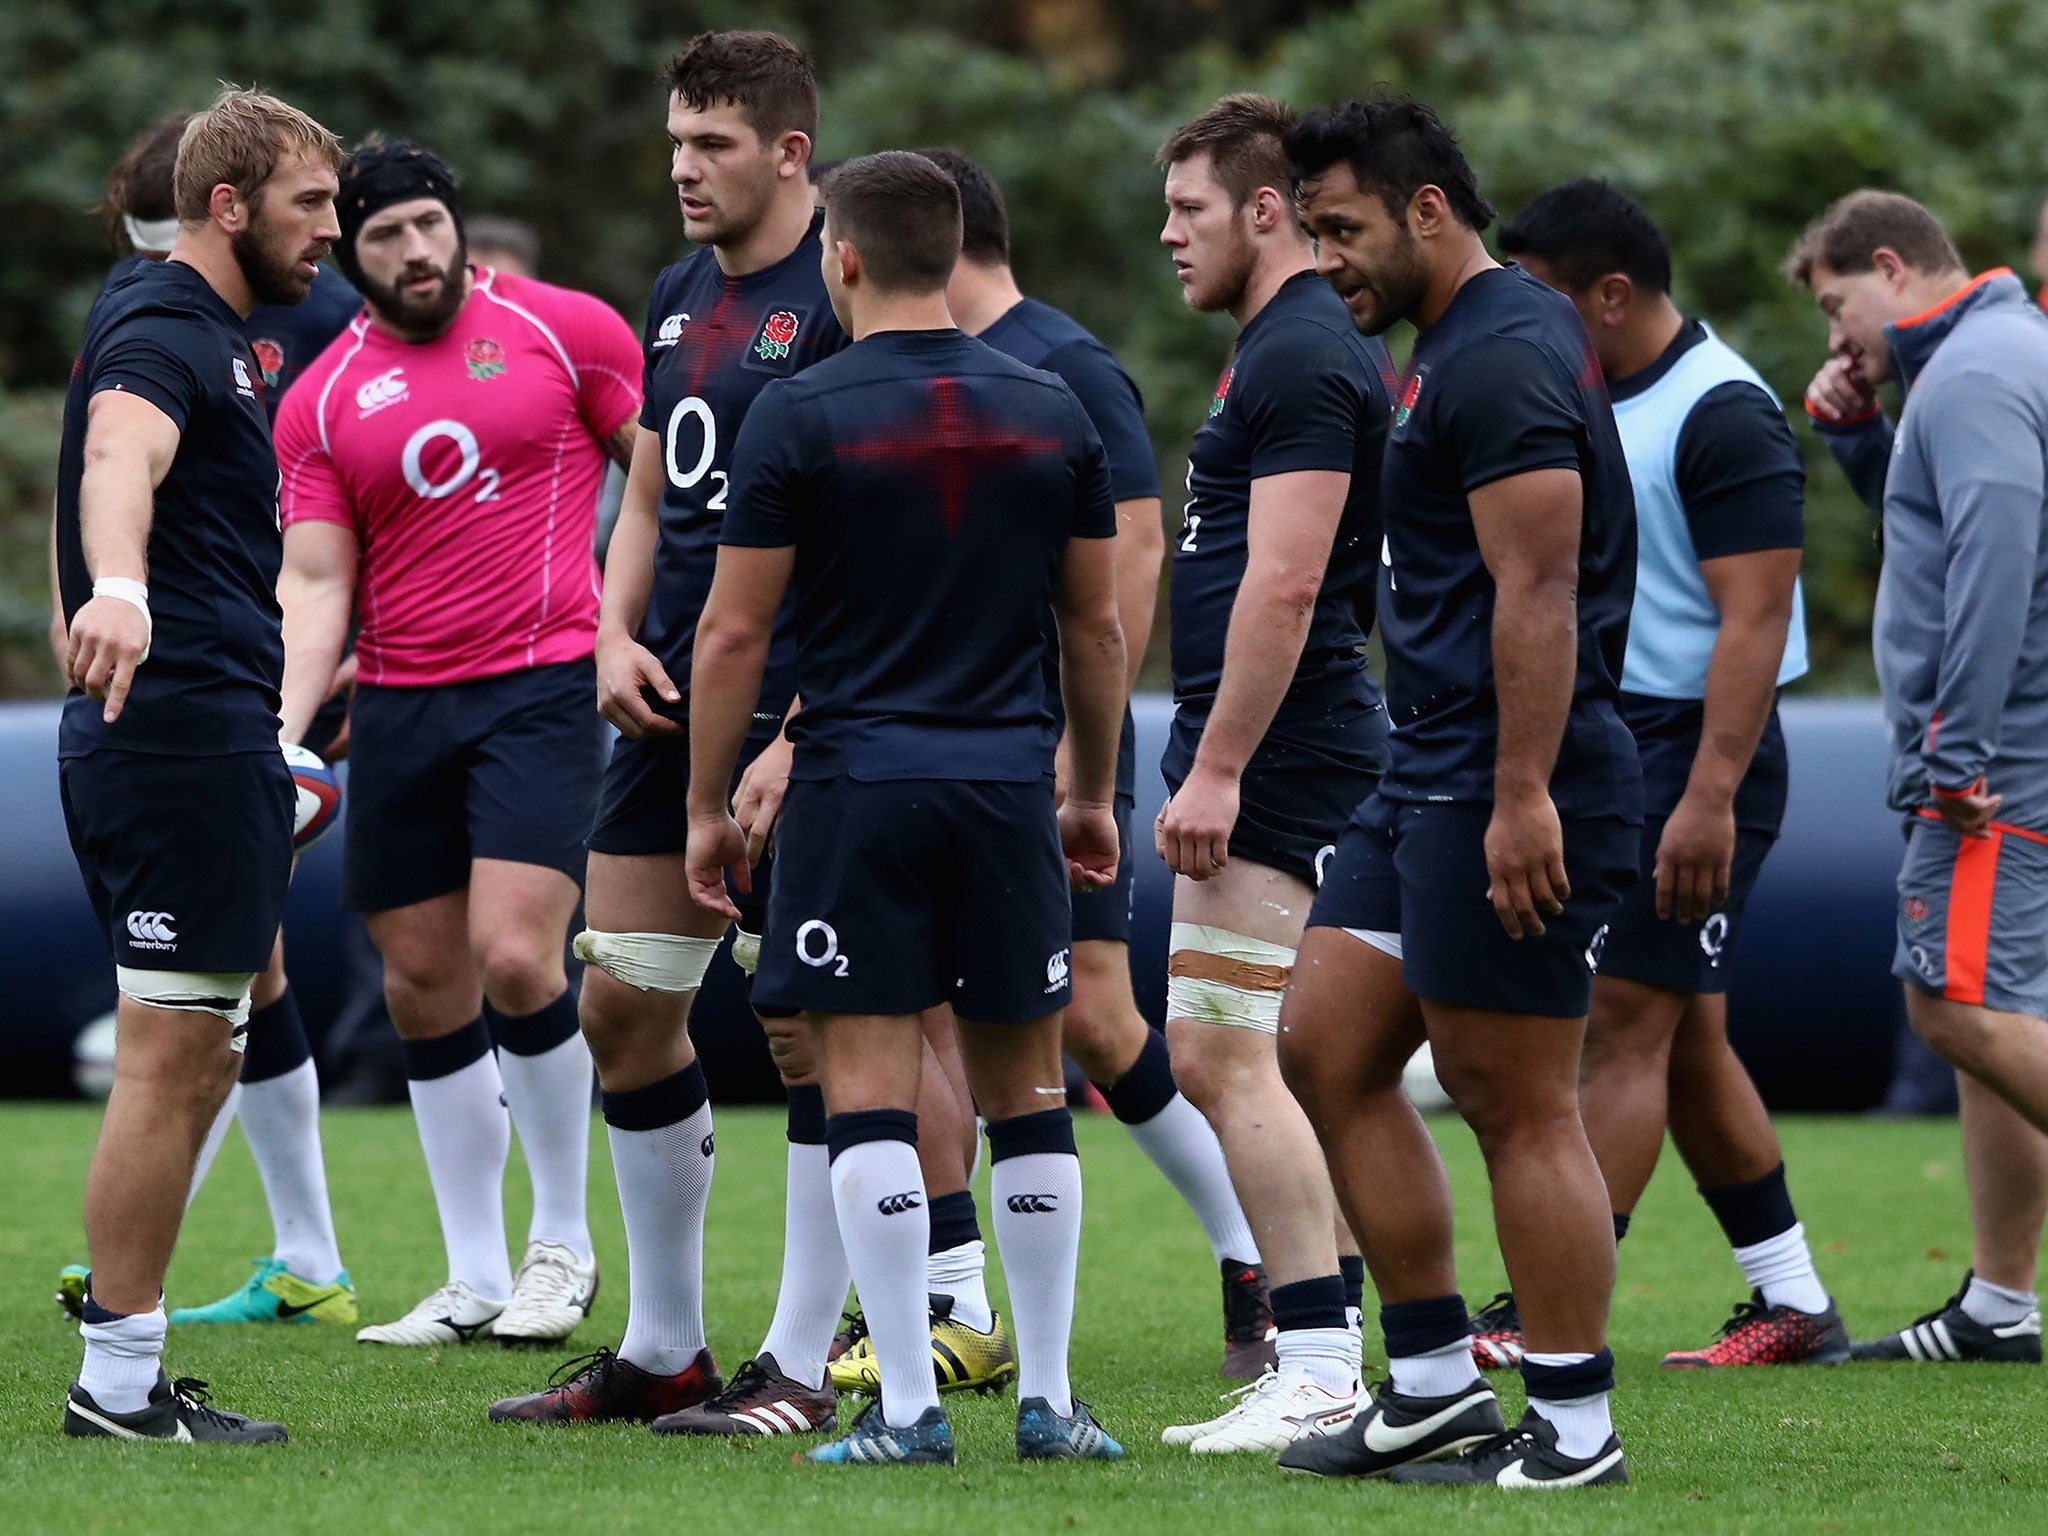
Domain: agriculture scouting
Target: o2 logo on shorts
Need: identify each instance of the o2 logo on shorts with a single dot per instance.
(1057, 970)
(817, 944)
(1595, 949)
(1713, 936)
(1322, 862)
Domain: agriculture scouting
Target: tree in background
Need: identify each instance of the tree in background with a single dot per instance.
(1734, 123)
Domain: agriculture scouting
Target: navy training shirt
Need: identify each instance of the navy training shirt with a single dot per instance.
(713, 343)
(216, 651)
(930, 485)
(1040, 336)
(1304, 391)
(286, 337)
(1505, 383)
(1743, 486)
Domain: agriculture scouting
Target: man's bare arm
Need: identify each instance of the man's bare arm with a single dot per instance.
(1527, 526)
(317, 589)
(129, 446)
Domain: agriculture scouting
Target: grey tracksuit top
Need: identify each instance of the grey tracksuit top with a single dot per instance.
(1961, 631)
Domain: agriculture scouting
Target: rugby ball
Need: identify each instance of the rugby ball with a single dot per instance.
(317, 795)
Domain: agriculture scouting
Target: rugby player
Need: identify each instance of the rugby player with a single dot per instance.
(277, 1096)
(1718, 627)
(177, 801)
(933, 503)
(747, 308)
(1961, 639)
(1481, 876)
(441, 462)
(1278, 730)
(1103, 1029)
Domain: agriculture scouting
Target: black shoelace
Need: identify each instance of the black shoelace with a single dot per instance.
(1498, 1314)
(1749, 1311)
(194, 1395)
(856, 1327)
(749, 1378)
(597, 1363)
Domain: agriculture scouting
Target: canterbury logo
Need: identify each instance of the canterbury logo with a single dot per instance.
(1034, 1205)
(706, 1148)
(896, 1205)
(387, 388)
(152, 927)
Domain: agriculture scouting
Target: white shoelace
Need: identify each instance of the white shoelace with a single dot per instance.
(547, 1280)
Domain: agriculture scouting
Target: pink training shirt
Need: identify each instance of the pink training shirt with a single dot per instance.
(469, 467)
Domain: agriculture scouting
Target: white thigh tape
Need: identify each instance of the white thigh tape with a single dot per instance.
(222, 993)
(652, 962)
(1215, 976)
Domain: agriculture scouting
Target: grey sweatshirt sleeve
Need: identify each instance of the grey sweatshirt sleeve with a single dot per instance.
(1985, 450)
(1863, 449)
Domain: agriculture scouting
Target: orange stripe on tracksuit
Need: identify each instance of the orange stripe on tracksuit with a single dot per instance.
(1969, 918)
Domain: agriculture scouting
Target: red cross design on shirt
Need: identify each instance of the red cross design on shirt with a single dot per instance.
(950, 445)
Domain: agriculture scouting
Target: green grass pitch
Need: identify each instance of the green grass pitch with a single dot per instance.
(395, 1440)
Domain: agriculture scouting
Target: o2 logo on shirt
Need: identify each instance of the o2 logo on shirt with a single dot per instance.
(686, 479)
(470, 465)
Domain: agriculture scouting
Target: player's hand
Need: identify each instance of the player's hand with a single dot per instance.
(1837, 395)
(344, 683)
(1088, 838)
(1194, 826)
(108, 637)
(1695, 858)
(624, 668)
(758, 804)
(1062, 768)
(1970, 813)
(1525, 864)
(716, 845)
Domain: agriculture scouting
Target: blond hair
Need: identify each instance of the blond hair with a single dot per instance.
(239, 142)
(1242, 136)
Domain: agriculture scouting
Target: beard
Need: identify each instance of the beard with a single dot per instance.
(1225, 286)
(1398, 286)
(271, 272)
(415, 317)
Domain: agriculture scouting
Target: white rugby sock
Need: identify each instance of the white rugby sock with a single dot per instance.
(549, 1096)
(663, 1166)
(961, 1273)
(814, 1269)
(281, 1122)
(122, 1359)
(466, 1137)
(1183, 1146)
(1995, 1306)
(1438, 1373)
(878, 1191)
(209, 1149)
(1782, 1269)
(1036, 1201)
(1326, 1356)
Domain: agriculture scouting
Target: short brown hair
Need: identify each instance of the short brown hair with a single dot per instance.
(1242, 136)
(767, 77)
(142, 183)
(902, 213)
(1849, 235)
(239, 142)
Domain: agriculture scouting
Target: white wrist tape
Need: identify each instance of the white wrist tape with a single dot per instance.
(652, 962)
(128, 590)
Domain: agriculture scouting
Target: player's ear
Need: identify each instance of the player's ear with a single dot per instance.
(849, 263)
(1428, 211)
(793, 154)
(1612, 295)
(225, 206)
(1271, 210)
(1891, 266)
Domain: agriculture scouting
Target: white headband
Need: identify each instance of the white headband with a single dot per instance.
(150, 234)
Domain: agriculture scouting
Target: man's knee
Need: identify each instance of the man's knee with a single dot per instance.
(791, 1048)
(1959, 1033)
(519, 974)
(1501, 1104)
(1103, 1029)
